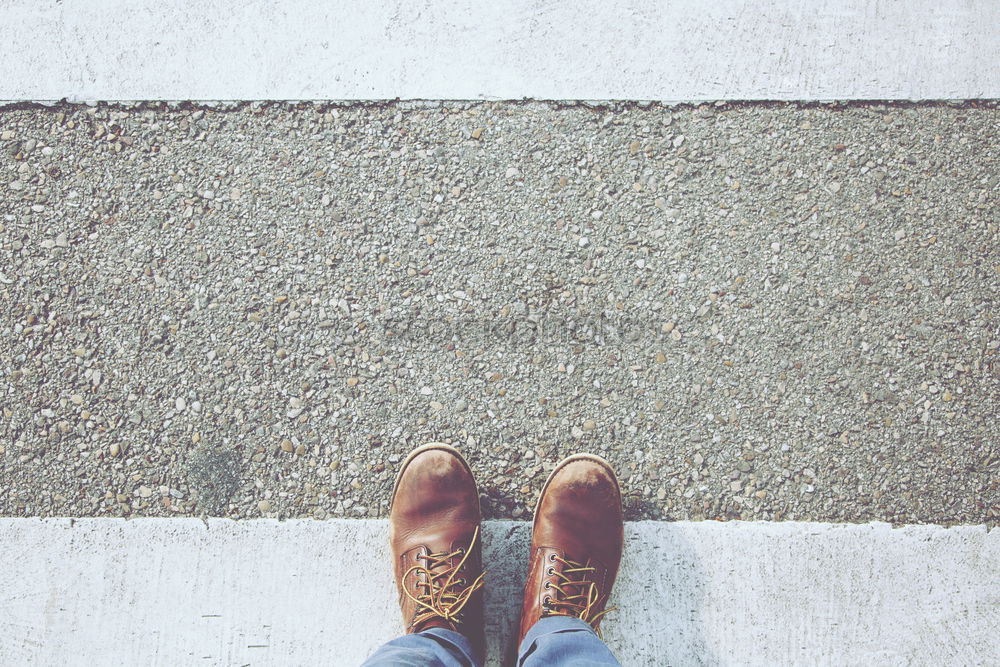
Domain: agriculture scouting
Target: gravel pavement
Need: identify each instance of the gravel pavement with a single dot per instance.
(753, 311)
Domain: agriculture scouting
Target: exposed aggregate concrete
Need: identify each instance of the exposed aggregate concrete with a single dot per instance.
(754, 311)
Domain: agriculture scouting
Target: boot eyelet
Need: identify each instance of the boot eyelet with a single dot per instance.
(548, 585)
(545, 601)
(551, 571)
(552, 557)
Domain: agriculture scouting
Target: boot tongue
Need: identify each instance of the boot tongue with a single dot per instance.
(436, 622)
(441, 571)
(577, 591)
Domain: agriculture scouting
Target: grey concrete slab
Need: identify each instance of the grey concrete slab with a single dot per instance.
(178, 591)
(505, 49)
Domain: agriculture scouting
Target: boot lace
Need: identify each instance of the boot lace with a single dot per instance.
(576, 595)
(443, 595)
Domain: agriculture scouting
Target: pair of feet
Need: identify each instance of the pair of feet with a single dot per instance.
(576, 543)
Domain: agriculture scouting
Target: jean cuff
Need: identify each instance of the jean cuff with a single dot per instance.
(549, 625)
(457, 640)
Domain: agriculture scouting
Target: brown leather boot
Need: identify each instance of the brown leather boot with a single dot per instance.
(576, 543)
(434, 536)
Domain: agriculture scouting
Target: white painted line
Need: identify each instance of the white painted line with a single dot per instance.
(502, 49)
(173, 591)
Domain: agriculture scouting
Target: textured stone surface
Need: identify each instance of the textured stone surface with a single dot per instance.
(753, 311)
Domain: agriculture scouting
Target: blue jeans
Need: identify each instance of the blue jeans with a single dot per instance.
(554, 640)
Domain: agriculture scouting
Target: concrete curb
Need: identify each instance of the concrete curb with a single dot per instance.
(180, 591)
(465, 49)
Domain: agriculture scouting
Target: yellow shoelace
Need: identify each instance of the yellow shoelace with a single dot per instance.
(441, 595)
(576, 597)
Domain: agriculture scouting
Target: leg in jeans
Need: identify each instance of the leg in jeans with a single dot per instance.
(563, 640)
(436, 647)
